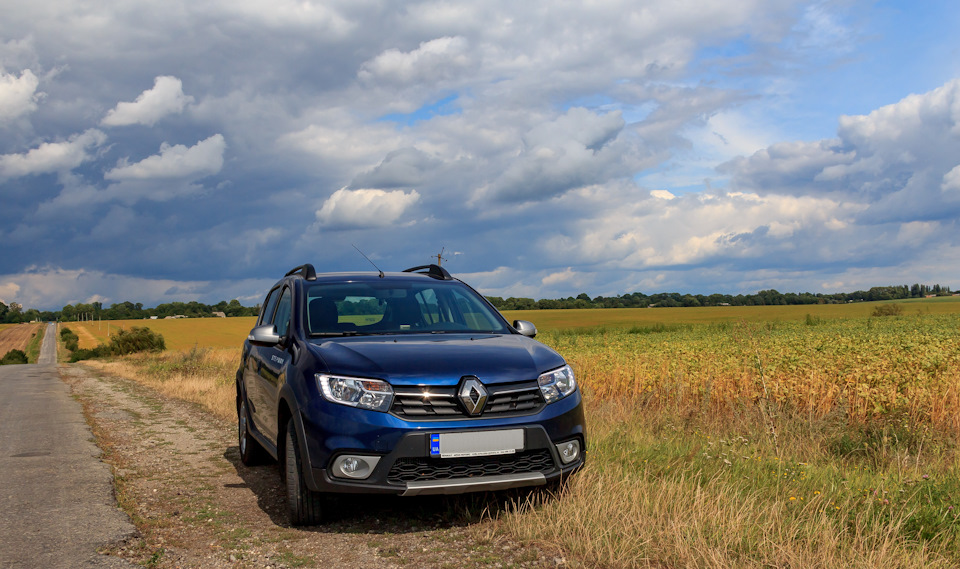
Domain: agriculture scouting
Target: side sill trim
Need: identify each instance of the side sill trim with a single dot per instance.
(479, 484)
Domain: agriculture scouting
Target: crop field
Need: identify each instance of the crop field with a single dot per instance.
(782, 444)
(811, 436)
(179, 334)
(547, 320)
(16, 336)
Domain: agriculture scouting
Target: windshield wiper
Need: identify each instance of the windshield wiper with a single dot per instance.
(335, 334)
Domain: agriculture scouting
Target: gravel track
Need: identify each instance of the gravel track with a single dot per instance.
(179, 477)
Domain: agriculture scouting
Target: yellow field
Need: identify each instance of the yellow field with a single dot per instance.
(186, 333)
(626, 317)
(718, 437)
(179, 334)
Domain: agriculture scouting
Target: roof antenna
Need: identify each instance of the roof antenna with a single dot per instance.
(368, 260)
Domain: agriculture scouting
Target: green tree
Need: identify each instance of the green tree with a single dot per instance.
(14, 314)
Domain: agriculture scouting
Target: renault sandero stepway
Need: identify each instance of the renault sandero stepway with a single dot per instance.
(404, 383)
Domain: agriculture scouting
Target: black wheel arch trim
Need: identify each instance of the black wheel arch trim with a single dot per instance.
(288, 397)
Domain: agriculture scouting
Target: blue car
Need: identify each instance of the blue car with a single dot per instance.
(405, 383)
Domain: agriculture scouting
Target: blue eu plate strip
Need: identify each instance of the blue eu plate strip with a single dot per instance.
(434, 445)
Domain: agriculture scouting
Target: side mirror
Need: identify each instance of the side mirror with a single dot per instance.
(525, 328)
(265, 335)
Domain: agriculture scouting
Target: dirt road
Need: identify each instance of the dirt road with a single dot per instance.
(194, 504)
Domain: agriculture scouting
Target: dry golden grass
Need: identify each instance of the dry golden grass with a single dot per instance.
(203, 375)
(824, 443)
(841, 452)
(658, 491)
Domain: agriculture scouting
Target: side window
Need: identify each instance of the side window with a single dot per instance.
(282, 319)
(269, 306)
(475, 319)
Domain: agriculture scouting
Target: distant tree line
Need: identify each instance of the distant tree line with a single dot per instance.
(762, 298)
(14, 313)
(134, 311)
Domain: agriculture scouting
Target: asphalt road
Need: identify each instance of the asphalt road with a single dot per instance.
(56, 497)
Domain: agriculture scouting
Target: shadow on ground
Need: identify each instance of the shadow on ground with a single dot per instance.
(361, 513)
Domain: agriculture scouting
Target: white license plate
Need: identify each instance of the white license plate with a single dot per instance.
(478, 443)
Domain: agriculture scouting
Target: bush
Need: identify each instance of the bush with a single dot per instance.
(14, 357)
(123, 342)
(70, 339)
(100, 351)
(136, 339)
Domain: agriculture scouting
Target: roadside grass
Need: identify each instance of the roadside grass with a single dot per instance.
(200, 375)
(33, 348)
(818, 441)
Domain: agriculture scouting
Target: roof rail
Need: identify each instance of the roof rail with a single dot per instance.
(306, 271)
(435, 271)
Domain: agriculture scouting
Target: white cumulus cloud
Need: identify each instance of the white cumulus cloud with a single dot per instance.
(202, 159)
(434, 59)
(165, 98)
(365, 208)
(52, 156)
(899, 160)
(18, 95)
(951, 181)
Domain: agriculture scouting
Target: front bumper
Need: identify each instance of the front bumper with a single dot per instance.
(406, 466)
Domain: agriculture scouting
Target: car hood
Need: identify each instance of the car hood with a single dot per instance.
(436, 359)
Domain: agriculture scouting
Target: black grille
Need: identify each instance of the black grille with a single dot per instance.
(430, 402)
(424, 469)
(426, 402)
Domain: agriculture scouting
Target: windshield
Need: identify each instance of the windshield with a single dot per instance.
(398, 307)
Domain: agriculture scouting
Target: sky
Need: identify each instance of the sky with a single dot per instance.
(177, 150)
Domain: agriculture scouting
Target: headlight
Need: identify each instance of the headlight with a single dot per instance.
(357, 392)
(557, 384)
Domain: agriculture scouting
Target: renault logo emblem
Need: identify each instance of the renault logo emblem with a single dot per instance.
(472, 394)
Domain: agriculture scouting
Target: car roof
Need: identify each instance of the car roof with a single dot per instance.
(308, 273)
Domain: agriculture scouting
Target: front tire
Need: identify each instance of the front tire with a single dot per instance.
(304, 504)
(251, 453)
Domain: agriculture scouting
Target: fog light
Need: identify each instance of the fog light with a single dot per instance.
(569, 451)
(356, 467)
